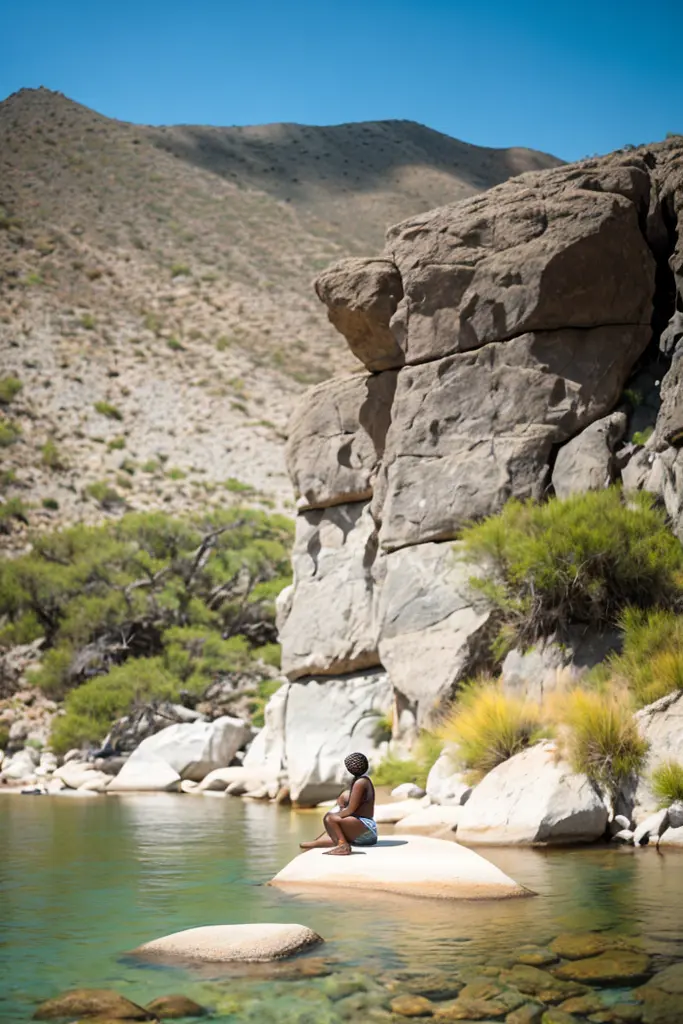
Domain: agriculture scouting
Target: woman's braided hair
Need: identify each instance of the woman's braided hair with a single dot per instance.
(356, 764)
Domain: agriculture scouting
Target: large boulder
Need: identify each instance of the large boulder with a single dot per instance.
(92, 1002)
(193, 749)
(533, 798)
(336, 438)
(145, 772)
(539, 253)
(326, 719)
(661, 725)
(227, 942)
(326, 625)
(432, 626)
(266, 754)
(361, 296)
(587, 462)
(471, 430)
(409, 865)
(446, 786)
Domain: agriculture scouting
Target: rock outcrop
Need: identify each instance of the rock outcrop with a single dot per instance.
(499, 334)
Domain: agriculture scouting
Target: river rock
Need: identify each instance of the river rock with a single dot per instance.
(391, 814)
(409, 791)
(432, 819)
(91, 1002)
(226, 942)
(445, 785)
(661, 725)
(614, 967)
(145, 772)
(652, 828)
(582, 945)
(412, 1006)
(336, 439)
(432, 626)
(412, 865)
(361, 296)
(193, 749)
(475, 429)
(174, 1006)
(532, 798)
(669, 980)
(20, 767)
(326, 719)
(587, 463)
(327, 627)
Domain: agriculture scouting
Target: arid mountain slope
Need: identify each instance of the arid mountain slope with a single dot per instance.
(155, 297)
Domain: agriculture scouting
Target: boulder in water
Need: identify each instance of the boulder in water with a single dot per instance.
(172, 1007)
(410, 865)
(225, 942)
(92, 1002)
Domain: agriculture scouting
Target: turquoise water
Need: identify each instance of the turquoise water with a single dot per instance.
(83, 881)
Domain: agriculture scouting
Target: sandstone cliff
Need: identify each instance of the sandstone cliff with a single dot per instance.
(497, 336)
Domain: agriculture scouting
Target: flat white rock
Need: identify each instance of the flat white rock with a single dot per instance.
(389, 814)
(144, 772)
(411, 865)
(222, 942)
(432, 819)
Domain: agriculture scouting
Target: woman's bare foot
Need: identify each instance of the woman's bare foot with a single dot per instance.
(341, 850)
(322, 842)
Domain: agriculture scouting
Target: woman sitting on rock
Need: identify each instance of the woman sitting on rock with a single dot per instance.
(351, 823)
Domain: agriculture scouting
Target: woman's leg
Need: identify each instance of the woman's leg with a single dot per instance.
(323, 840)
(342, 831)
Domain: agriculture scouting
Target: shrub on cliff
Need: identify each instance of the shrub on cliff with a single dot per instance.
(600, 736)
(578, 560)
(486, 726)
(192, 598)
(393, 771)
(667, 783)
(651, 662)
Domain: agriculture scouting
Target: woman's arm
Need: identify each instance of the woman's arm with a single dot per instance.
(356, 799)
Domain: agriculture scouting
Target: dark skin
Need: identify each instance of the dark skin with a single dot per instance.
(342, 826)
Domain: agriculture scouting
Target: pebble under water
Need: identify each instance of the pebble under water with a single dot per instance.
(84, 880)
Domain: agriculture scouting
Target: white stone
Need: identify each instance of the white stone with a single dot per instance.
(390, 814)
(20, 766)
(325, 720)
(225, 942)
(533, 798)
(411, 865)
(193, 749)
(48, 764)
(653, 826)
(672, 837)
(624, 835)
(661, 725)
(407, 791)
(75, 774)
(96, 782)
(445, 785)
(73, 755)
(676, 814)
(144, 771)
(432, 819)
(55, 786)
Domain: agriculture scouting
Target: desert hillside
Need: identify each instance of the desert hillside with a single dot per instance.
(157, 319)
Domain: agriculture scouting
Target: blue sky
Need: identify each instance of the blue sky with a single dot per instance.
(569, 79)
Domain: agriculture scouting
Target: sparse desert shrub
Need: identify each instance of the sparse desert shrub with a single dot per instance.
(651, 661)
(600, 736)
(175, 473)
(150, 466)
(108, 410)
(9, 433)
(393, 771)
(180, 270)
(223, 343)
(486, 726)
(175, 345)
(236, 486)
(88, 322)
(51, 457)
(666, 782)
(13, 508)
(9, 389)
(641, 437)
(579, 560)
(116, 444)
(51, 504)
(104, 494)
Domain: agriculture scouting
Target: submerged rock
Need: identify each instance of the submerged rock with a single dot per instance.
(92, 1002)
(613, 967)
(412, 865)
(226, 942)
(412, 1006)
(175, 1006)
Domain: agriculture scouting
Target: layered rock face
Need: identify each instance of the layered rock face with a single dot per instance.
(496, 337)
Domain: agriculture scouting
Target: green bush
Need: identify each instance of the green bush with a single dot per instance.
(116, 444)
(51, 504)
(4, 736)
(666, 782)
(108, 410)
(600, 737)
(393, 771)
(180, 270)
(641, 437)
(581, 560)
(9, 389)
(651, 661)
(50, 456)
(486, 726)
(13, 508)
(196, 595)
(257, 703)
(236, 486)
(104, 494)
(175, 345)
(9, 433)
(88, 321)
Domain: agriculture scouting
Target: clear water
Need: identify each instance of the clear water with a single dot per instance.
(83, 881)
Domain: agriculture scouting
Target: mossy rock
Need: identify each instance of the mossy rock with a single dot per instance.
(533, 981)
(574, 946)
(528, 1013)
(583, 1005)
(659, 1007)
(175, 1007)
(340, 986)
(437, 987)
(557, 1016)
(91, 1002)
(620, 1013)
(669, 980)
(614, 967)
(536, 956)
